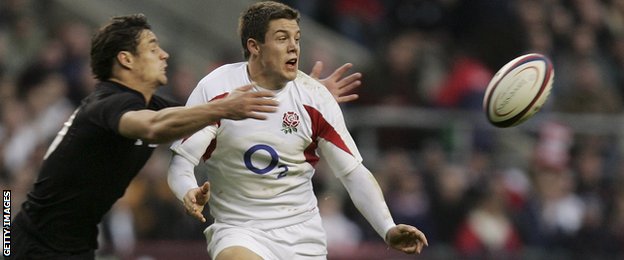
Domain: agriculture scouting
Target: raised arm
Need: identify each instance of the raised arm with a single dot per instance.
(177, 122)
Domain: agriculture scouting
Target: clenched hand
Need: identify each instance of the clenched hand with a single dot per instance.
(406, 239)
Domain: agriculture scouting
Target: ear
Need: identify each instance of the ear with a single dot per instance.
(125, 59)
(253, 46)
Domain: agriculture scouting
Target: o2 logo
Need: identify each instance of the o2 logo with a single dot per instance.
(268, 168)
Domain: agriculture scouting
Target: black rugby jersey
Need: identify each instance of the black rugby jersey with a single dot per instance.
(88, 168)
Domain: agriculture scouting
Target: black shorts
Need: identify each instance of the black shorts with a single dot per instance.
(26, 245)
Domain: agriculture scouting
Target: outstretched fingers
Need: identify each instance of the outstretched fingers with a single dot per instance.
(350, 82)
(340, 86)
(340, 71)
(316, 70)
(261, 104)
(243, 103)
(347, 85)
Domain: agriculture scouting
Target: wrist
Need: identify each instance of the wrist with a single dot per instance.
(387, 236)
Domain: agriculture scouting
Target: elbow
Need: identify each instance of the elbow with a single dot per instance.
(156, 135)
(170, 179)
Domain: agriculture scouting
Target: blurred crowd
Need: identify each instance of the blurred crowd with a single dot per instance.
(560, 201)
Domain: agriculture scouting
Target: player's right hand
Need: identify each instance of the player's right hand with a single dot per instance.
(195, 199)
(243, 103)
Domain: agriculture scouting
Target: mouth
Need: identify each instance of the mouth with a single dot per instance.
(292, 64)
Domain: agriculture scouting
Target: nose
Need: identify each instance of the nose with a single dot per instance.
(164, 55)
(293, 45)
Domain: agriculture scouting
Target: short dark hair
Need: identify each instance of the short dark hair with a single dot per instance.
(254, 22)
(123, 33)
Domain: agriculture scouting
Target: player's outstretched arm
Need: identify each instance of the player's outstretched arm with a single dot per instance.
(406, 239)
(243, 103)
(177, 122)
(195, 199)
(368, 199)
(339, 86)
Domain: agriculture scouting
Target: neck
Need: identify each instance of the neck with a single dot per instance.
(147, 91)
(262, 78)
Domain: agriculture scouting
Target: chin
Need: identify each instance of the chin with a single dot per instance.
(163, 82)
(291, 75)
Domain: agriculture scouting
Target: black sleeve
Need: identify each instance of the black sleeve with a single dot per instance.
(107, 111)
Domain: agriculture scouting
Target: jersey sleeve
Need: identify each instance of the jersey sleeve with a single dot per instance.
(368, 199)
(337, 150)
(107, 112)
(193, 148)
(209, 88)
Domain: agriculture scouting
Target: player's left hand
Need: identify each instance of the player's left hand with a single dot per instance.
(336, 84)
(406, 239)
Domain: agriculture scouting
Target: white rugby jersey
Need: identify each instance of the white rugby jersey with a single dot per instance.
(260, 170)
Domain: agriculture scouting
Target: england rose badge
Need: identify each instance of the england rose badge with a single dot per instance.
(290, 122)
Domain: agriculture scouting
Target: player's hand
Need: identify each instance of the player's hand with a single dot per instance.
(195, 199)
(336, 84)
(406, 239)
(243, 103)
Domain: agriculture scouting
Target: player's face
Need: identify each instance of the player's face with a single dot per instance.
(279, 53)
(151, 60)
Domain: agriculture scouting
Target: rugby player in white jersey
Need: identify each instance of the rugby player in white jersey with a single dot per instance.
(259, 173)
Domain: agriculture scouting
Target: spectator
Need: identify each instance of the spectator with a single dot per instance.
(487, 231)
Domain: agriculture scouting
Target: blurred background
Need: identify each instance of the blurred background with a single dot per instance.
(551, 188)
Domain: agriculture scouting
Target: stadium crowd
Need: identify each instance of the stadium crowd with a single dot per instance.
(564, 200)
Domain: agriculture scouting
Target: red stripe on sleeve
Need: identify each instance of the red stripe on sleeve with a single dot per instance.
(209, 150)
(322, 129)
(213, 143)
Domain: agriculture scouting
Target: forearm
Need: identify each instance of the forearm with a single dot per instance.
(368, 198)
(174, 123)
(181, 177)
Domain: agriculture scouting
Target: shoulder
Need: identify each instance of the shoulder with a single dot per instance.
(306, 81)
(159, 102)
(224, 72)
(315, 90)
(111, 93)
(107, 103)
(222, 80)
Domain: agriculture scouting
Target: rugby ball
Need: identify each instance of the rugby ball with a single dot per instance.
(518, 90)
